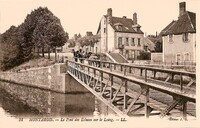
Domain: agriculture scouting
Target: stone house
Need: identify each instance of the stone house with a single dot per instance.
(88, 43)
(120, 35)
(179, 38)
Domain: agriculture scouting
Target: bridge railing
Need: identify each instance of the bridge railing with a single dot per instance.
(96, 66)
(97, 73)
(147, 72)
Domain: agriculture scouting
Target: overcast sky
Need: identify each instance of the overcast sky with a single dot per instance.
(79, 16)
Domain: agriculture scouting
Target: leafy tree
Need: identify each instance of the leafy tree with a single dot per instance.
(40, 29)
(158, 46)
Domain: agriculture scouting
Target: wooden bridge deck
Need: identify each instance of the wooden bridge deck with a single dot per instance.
(137, 95)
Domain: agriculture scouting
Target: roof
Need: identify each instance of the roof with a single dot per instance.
(126, 24)
(185, 24)
(150, 44)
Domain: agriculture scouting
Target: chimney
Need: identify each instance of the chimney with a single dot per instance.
(182, 8)
(124, 17)
(109, 12)
(89, 34)
(135, 18)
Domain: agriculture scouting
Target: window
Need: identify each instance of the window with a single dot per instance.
(139, 42)
(104, 30)
(178, 58)
(185, 37)
(119, 27)
(127, 43)
(119, 42)
(187, 56)
(171, 38)
(133, 42)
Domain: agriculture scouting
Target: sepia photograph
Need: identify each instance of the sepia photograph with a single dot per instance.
(99, 63)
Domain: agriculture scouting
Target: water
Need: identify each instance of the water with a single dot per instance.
(21, 101)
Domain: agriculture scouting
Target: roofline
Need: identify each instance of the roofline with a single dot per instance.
(177, 33)
(190, 19)
(129, 32)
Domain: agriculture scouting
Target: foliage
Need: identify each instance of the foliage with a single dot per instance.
(40, 29)
(144, 56)
(158, 46)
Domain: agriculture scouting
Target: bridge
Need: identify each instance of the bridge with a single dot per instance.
(134, 90)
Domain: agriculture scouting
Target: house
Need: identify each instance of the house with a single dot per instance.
(153, 43)
(120, 35)
(88, 43)
(179, 38)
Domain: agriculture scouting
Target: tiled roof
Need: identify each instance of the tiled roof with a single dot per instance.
(126, 25)
(185, 24)
(150, 44)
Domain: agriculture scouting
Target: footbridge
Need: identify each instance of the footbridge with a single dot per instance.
(134, 90)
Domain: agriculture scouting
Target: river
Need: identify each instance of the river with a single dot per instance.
(20, 101)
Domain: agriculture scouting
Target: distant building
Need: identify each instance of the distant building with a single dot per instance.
(179, 38)
(153, 43)
(88, 43)
(120, 35)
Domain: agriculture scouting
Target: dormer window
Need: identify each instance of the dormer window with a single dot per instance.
(118, 26)
(170, 38)
(185, 37)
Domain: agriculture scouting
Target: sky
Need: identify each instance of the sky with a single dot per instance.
(80, 16)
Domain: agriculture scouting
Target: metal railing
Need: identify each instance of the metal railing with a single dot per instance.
(95, 73)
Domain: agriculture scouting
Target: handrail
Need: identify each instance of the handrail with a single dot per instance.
(191, 97)
(149, 68)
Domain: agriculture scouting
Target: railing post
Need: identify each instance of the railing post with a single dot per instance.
(184, 110)
(101, 87)
(172, 77)
(125, 97)
(111, 89)
(154, 74)
(181, 81)
(124, 70)
(146, 103)
(141, 72)
(130, 70)
(145, 75)
(111, 67)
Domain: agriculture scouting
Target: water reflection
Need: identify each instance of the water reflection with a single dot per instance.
(17, 100)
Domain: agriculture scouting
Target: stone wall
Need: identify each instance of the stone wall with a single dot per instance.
(156, 58)
(49, 78)
(53, 78)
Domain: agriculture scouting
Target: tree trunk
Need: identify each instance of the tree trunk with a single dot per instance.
(38, 51)
(48, 52)
(42, 50)
(56, 55)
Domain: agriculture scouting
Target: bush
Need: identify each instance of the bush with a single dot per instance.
(144, 56)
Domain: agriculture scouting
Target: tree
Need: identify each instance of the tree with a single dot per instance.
(40, 29)
(158, 46)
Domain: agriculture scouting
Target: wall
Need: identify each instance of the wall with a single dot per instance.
(50, 78)
(136, 49)
(111, 43)
(156, 58)
(103, 35)
(177, 46)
